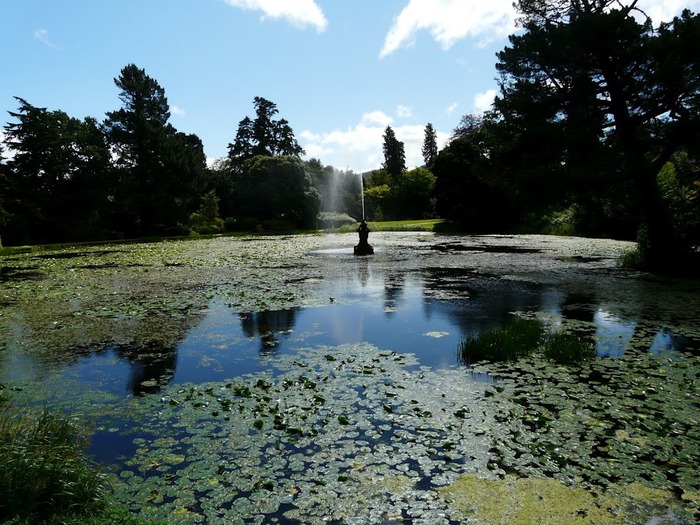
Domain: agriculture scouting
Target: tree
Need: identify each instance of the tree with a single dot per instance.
(466, 190)
(415, 194)
(430, 148)
(54, 184)
(278, 189)
(158, 170)
(394, 156)
(620, 110)
(264, 136)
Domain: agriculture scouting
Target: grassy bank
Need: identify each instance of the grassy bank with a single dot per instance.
(46, 477)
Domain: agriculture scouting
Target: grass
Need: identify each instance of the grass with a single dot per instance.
(518, 338)
(521, 337)
(45, 475)
(416, 225)
(568, 349)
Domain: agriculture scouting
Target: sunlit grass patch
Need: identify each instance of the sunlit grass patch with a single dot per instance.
(416, 225)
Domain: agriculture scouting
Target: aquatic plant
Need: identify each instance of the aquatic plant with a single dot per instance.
(519, 337)
(567, 349)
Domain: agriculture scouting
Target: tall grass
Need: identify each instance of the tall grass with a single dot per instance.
(44, 469)
(517, 338)
(568, 349)
(521, 337)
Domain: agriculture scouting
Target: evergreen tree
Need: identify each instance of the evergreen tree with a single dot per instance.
(394, 155)
(620, 110)
(53, 185)
(156, 165)
(264, 136)
(430, 148)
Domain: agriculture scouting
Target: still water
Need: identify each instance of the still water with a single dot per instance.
(397, 312)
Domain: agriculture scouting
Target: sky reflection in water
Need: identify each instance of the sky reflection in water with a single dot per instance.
(392, 312)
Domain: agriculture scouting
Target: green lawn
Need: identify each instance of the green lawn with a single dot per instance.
(403, 226)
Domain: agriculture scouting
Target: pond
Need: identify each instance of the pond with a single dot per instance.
(284, 380)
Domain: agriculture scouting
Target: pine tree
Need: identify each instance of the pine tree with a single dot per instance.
(430, 149)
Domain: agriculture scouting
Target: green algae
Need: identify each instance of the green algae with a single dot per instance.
(537, 501)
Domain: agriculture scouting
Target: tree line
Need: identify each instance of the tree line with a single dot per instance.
(134, 175)
(595, 131)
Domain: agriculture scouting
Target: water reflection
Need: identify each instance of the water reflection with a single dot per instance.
(268, 326)
(426, 312)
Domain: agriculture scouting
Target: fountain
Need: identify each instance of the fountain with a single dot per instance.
(363, 247)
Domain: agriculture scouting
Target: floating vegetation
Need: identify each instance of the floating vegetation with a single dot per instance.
(537, 501)
(349, 434)
(357, 436)
(604, 423)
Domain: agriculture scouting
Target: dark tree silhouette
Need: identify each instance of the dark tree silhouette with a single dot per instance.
(394, 155)
(631, 97)
(265, 135)
(430, 147)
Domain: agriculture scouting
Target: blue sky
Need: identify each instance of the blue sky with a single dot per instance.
(339, 71)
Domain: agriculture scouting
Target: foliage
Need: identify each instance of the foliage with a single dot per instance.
(44, 470)
(466, 190)
(567, 348)
(430, 148)
(679, 182)
(597, 113)
(519, 337)
(265, 136)
(206, 219)
(394, 154)
(340, 190)
(522, 337)
(73, 179)
(330, 220)
(414, 194)
(160, 171)
(278, 188)
(54, 187)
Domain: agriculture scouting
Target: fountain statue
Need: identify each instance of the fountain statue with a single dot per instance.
(363, 247)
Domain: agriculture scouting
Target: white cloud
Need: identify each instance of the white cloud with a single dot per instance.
(7, 153)
(449, 21)
(42, 35)
(176, 110)
(301, 13)
(376, 117)
(665, 10)
(483, 101)
(404, 111)
(451, 108)
(360, 147)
